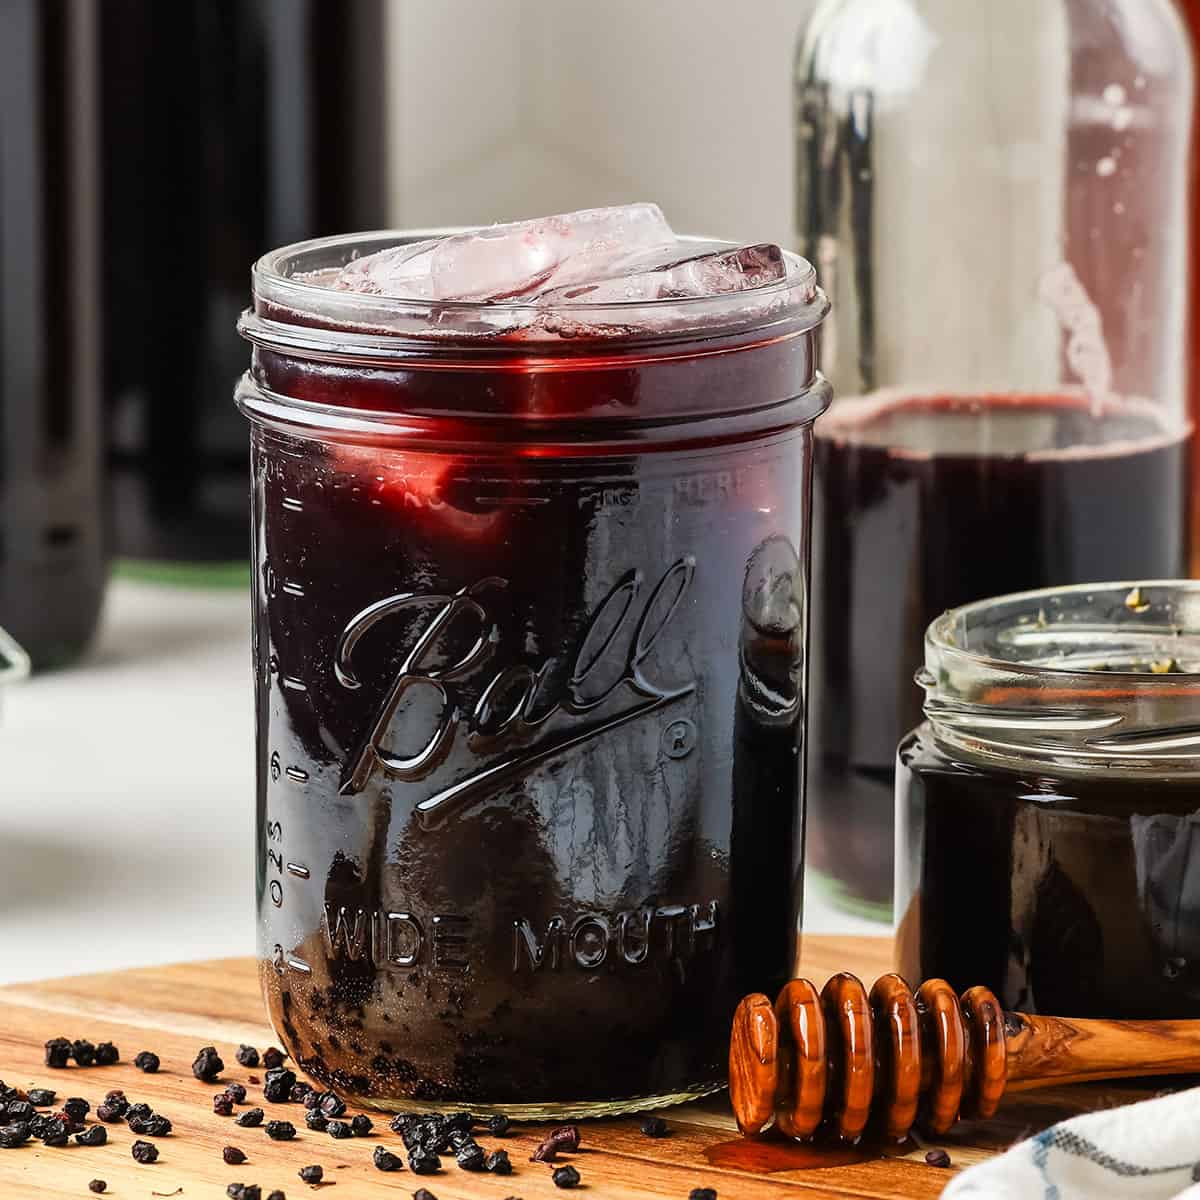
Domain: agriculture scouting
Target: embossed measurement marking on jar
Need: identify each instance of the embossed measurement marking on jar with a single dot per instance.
(292, 504)
(292, 588)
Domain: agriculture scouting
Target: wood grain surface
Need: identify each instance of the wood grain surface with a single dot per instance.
(175, 1010)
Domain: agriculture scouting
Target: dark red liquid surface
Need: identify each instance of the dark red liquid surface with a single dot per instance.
(927, 503)
(565, 902)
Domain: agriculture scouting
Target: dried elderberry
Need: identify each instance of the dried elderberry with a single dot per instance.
(385, 1160)
(247, 1056)
(361, 1125)
(233, 1155)
(144, 1152)
(565, 1177)
(207, 1064)
(250, 1118)
(58, 1052)
(107, 1055)
(281, 1131)
(147, 1061)
(312, 1174)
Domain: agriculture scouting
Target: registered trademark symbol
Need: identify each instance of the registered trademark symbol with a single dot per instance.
(679, 738)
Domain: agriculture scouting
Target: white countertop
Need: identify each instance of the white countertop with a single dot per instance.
(127, 810)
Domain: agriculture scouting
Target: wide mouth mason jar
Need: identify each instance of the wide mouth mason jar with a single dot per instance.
(529, 620)
(1048, 810)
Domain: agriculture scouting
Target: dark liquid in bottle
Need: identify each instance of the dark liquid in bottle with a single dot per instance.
(1069, 896)
(928, 502)
(603, 857)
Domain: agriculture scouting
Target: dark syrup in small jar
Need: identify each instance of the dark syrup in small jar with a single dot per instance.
(530, 636)
(1048, 811)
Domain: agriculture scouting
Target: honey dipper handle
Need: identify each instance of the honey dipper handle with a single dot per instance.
(1053, 1050)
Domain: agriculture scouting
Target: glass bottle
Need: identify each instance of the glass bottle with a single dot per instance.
(52, 554)
(994, 193)
(230, 126)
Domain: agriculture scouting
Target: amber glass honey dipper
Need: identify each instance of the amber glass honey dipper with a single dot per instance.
(845, 1056)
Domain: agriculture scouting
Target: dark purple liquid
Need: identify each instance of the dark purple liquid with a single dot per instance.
(931, 502)
(1070, 896)
(601, 855)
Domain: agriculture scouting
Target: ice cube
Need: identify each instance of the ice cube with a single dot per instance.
(507, 262)
(677, 273)
(399, 272)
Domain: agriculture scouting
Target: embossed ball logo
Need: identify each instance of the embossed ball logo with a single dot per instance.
(519, 718)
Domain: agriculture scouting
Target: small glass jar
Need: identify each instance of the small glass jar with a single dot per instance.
(529, 625)
(995, 194)
(1048, 810)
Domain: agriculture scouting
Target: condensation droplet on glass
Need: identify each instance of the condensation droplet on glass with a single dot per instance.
(1119, 209)
(1122, 119)
(1114, 95)
(1106, 166)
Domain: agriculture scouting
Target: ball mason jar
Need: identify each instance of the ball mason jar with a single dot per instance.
(529, 627)
(1048, 809)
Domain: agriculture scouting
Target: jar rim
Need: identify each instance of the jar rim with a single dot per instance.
(292, 313)
(1073, 677)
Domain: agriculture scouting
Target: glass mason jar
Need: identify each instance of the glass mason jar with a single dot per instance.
(994, 193)
(1048, 809)
(530, 626)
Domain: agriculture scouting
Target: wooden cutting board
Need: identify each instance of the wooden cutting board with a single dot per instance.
(176, 1010)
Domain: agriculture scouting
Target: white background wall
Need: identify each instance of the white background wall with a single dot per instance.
(509, 108)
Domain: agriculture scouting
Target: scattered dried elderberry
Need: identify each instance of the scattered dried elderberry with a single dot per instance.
(250, 1118)
(144, 1152)
(278, 1086)
(654, 1127)
(498, 1163)
(702, 1194)
(547, 1152)
(111, 1113)
(57, 1132)
(207, 1064)
(40, 1124)
(273, 1058)
(237, 1093)
(332, 1105)
(223, 1104)
(312, 1099)
(316, 1122)
(426, 1194)
(97, 1186)
(361, 1125)
(424, 1162)
(565, 1137)
(498, 1125)
(312, 1174)
(107, 1054)
(233, 1156)
(12, 1136)
(339, 1129)
(151, 1126)
(58, 1052)
(147, 1061)
(565, 1177)
(97, 1135)
(244, 1191)
(138, 1112)
(385, 1160)
(247, 1056)
(300, 1091)
(20, 1110)
(77, 1108)
(937, 1158)
(281, 1131)
(83, 1052)
(276, 1195)
(42, 1097)
(471, 1157)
